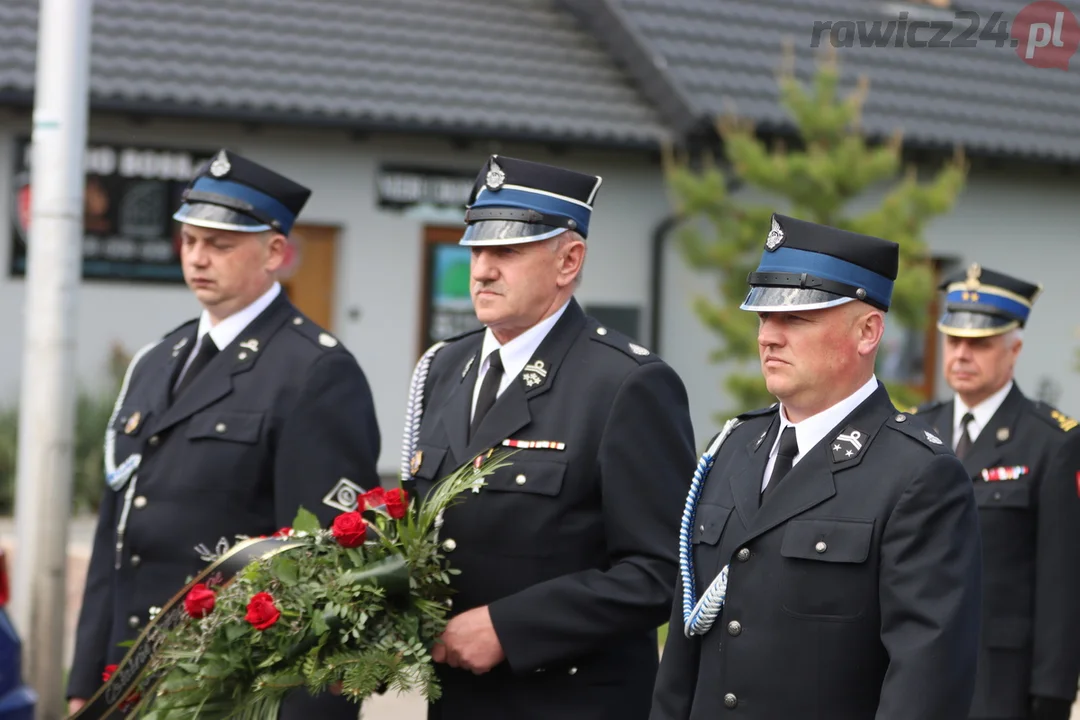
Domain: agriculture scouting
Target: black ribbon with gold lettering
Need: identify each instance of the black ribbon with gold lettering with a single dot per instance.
(107, 702)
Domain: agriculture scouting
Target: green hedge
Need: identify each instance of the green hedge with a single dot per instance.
(92, 411)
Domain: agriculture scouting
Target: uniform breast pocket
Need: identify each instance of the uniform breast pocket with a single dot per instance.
(520, 506)
(243, 428)
(826, 575)
(1005, 494)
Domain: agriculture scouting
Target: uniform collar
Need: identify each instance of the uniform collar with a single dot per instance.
(810, 431)
(983, 412)
(230, 328)
(517, 353)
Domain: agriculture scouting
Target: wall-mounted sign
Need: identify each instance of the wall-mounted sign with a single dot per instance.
(403, 187)
(131, 194)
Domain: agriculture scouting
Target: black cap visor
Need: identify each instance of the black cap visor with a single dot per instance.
(217, 217)
(507, 232)
(964, 323)
(790, 299)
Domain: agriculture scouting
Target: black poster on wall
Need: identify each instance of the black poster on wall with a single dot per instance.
(131, 193)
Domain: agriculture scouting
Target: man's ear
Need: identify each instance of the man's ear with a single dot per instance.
(571, 258)
(871, 328)
(275, 252)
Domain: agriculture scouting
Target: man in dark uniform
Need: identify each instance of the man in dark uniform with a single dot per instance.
(224, 427)
(566, 556)
(1024, 460)
(829, 549)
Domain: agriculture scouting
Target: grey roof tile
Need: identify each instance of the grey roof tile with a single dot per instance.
(516, 67)
(985, 97)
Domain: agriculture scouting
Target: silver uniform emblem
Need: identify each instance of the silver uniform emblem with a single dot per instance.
(638, 350)
(468, 366)
(327, 340)
(343, 496)
(220, 167)
(252, 345)
(495, 176)
(932, 438)
(179, 346)
(535, 373)
(776, 236)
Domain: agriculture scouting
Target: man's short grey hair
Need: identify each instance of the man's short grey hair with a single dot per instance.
(1014, 335)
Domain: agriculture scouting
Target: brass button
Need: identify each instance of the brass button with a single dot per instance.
(821, 546)
(901, 418)
(140, 502)
(133, 621)
(743, 555)
(220, 427)
(572, 671)
(734, 628)
(601, 331)
(730, 700)
(298, 321)
(448, 544)
(520, 479)
(135, 560)
(154, 440)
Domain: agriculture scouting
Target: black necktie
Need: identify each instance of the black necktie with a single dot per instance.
(207, 351)
(964, 444)
(489, 389)
(785, 456)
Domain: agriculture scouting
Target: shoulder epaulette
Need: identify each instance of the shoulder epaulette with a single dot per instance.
(459, 336)
(760, 412)
(621, 342)
(180, 327)
(1053, 416)
(918, 431)
(313, 332)
(926, 407)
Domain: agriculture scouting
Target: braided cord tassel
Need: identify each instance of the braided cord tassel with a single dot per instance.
(414, 411)
(116, 477)
(714, 597)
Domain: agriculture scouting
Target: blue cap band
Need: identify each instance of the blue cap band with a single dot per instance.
(259, 200)
(958, 299)
(827, 267)
(546, 203)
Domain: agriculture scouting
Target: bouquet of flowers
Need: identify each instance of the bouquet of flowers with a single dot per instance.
(356, 607)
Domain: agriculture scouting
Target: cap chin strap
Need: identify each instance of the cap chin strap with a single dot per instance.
(532, 217)
(197, 196)
(812, 282)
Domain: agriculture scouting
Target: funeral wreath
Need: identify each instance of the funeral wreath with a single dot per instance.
(355, 607)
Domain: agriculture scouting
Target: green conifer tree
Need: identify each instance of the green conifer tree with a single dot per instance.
(831, 164)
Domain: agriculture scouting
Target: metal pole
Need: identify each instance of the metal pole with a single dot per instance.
(47, 400)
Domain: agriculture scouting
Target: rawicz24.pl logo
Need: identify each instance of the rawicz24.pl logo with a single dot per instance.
(1044, 33)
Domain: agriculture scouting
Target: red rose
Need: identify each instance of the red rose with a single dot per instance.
(349, 529)
(199, 601)
(261, 611)
(283, 532)
(109, 670)
(132, 698)
(397, 503)
(372, 499)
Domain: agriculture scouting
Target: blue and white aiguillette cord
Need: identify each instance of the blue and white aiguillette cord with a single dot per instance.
(699, 615)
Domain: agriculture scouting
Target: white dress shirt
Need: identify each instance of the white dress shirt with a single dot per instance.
(981, 412)
(810, 431)
(228, 329)
(515, 354)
